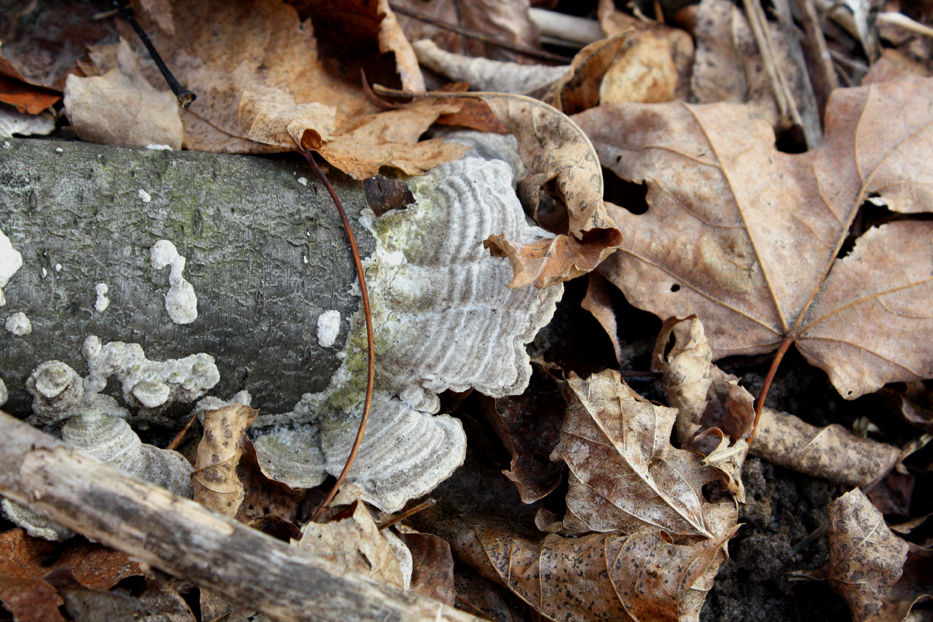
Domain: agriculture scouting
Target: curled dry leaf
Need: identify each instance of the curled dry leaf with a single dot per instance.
(216, 484)
(866, 559)
(598, 577)
(624, 473)
(831, 452)
(598, 304)
(683, 356)
(783, 439)
(724, 203)
(558, 155)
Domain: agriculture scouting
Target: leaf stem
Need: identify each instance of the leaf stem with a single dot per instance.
(367, 313)
(184, 96)
(763, 394)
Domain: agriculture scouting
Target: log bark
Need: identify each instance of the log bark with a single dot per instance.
(265, 250)
(189, 541)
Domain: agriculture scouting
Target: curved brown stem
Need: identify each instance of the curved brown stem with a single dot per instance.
(762, 396)
(371, 370)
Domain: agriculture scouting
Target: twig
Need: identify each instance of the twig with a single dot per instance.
(900, 20)
(185, 97)
(520, 49)
(819, 62)
(188, 541)
(367, 313)
(421, 507)
(782, 94)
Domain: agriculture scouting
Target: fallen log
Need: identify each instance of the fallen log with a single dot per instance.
(265, 252)
(191, 542)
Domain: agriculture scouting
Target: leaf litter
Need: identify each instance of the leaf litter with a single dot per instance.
(733, 261)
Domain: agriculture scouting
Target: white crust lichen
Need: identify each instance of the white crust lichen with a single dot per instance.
(102, 302)
(18, 324)
(328, 327)
(181, 303)
(444, 319)
(11, 260)
(149, 387)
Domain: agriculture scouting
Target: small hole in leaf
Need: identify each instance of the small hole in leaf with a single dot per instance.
(623, 193)
(675, 287)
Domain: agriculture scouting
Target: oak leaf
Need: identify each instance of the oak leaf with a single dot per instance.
(749, 238)
(624, 473)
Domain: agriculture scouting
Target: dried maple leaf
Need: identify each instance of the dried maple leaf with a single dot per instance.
(624, 473)
(749, 238)
(866, 558)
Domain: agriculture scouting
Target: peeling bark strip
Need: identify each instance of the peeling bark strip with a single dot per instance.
(188, 541)
(265, 254)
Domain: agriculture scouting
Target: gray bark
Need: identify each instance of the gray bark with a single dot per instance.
(189, 541)
(265, 254)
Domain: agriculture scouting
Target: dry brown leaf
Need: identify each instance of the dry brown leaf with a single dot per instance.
(832, 452)
(683, 357)
(505, 20)
(121, 108)
(363, 28)
(555, 152)
(613, 21)
(432, 566)
(915, 586)
(598, 304)
(216, 484)
(263, 84)
(783, 439)
(598, 577)
(730, 68)
(26, 98)
(155, 602)
(481, 597)
(23, 564)
(747, 238)
(42, 44)
(529, 427)
(866, 559)
(624, 473)
(263, 496)
(352, 540)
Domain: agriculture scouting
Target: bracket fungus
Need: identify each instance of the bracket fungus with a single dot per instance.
(444, 319)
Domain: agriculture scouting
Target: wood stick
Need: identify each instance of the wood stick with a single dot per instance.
(189, 541)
